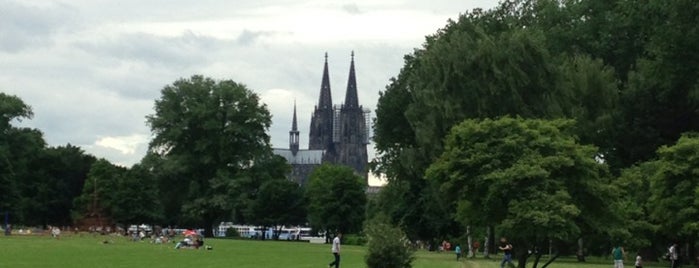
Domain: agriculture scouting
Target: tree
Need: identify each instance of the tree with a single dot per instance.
(485, 65)
(212, 131)
(12, 108)
(135, 198)
(674, 190)
(25, 147)
(634, 192)
(279, 202)
(527, 176)
(57, 178)
(20, 153)
(248, 186)
(661, 99)
(97, 200)
(336, 199)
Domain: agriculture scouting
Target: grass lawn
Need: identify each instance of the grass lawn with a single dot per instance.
(88, 251)
(562, 263)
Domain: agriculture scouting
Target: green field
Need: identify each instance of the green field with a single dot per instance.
(89, 251)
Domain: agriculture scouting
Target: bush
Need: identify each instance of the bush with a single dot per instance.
(354, 239)
(387, 245)
(232, 233)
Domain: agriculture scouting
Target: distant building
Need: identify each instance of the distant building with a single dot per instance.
(339, 134)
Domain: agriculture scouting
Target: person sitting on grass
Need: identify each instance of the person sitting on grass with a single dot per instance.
(187, 242)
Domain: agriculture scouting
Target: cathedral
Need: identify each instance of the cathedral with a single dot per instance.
(338, 134)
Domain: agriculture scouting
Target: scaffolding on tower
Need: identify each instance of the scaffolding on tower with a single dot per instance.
(367, 126)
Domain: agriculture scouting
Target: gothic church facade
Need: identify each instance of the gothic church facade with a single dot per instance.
(339, 134)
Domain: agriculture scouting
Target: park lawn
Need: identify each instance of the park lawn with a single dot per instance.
(560, 263)
(89, 251)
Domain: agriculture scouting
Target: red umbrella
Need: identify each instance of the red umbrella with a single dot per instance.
(189, 232)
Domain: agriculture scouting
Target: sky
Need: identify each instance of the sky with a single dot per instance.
(92, 69)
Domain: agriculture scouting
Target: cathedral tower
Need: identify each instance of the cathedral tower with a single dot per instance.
(321, 133)
(351, 144)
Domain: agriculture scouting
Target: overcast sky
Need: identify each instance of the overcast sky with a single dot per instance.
(92, 69)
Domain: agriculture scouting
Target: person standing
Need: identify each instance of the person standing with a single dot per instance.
(639, 261)
(674, 256)
(457, 250)
(336, 251)
(507, 252)
(618, 255)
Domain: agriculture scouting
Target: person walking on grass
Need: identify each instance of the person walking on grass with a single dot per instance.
(457, 250)
(618, 254)
(336, 251)
(507, 252)
(674, 256)
(639, 261)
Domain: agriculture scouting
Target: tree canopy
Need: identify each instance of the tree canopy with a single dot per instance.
(529, 178)
(212, 131)
(336, 199)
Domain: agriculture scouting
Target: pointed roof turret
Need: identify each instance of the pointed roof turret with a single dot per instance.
(351, 100)
(325, 100)
(294, 123)
(294, 134)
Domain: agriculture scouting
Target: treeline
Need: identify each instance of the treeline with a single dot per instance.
(552, 122)
(38, 183)
(210, 160)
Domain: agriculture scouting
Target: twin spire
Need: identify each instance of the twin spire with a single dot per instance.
(325, 105)
(351, 99)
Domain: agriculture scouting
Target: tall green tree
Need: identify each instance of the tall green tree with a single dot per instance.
(57, 178)
(674, 190)
(97, 199)
(135, 198)
(19, 148)
(482, 66)
(528, 177)
(336, 199)
(661, 99)
(634, 205)
(212, 131)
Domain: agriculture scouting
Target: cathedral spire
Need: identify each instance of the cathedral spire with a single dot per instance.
(294, 123)
(294, 134)
(325, 101)
(351, 100)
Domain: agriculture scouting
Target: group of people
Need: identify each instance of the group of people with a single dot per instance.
(505, 247)
(618, 254)
(672, 256)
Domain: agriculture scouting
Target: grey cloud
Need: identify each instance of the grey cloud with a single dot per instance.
(23, 26)
(138, 65)
(105, 85)
(248, 37)
(157, 51)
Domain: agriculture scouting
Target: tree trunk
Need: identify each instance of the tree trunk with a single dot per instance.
(581, 250)
(486, 243)
(522, 260)
(551, 260)
(536, 261)
(471, 254)
(208, 227)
